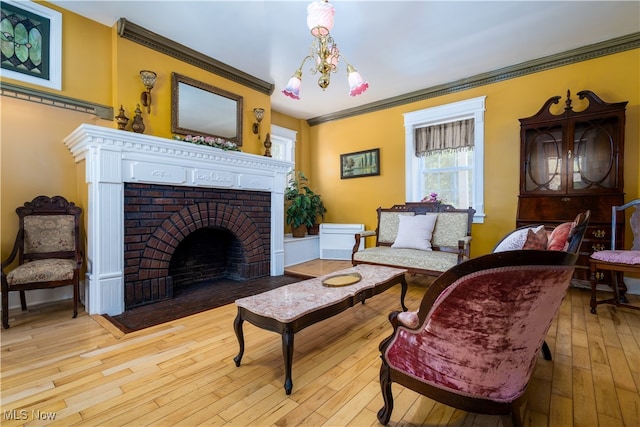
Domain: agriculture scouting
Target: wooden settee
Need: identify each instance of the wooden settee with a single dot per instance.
(450, 242)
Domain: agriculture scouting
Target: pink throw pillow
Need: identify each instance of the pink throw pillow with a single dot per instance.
(559, 235)
(536, 239)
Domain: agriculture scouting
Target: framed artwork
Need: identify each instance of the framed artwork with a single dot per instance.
(360, 163)
(31, 43)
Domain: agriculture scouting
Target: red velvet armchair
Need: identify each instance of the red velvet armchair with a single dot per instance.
(474, 341)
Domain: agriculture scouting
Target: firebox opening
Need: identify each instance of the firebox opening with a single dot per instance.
(211, 253)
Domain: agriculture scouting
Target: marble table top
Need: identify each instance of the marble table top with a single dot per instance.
(287, 303)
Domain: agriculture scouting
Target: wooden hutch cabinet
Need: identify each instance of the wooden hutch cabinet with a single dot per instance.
(570, 163)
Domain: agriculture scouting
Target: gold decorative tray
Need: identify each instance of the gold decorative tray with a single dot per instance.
(342, 280)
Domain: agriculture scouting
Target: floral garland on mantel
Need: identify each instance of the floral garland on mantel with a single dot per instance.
(209, 141)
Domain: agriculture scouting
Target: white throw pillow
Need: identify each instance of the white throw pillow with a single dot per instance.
(414, 232)
(515, 240)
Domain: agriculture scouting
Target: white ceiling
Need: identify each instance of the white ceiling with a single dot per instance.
(398, 46)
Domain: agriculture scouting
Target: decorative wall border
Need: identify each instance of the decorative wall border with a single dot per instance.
(135, 33)
(609, 47)
(147, 38)
(53, 100)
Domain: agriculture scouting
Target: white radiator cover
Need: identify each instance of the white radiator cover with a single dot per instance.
(337, 240)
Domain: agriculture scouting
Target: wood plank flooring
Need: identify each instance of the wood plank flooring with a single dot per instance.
(62, 371)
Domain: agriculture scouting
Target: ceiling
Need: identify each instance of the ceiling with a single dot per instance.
(398, 46)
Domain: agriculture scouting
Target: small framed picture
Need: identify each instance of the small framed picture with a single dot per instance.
(31, 43)
(360, 163)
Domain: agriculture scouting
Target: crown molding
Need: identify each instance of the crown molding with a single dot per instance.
(137, 34)
(596, 50)
(53, 100)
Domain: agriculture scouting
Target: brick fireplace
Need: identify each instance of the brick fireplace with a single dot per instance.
(154, 205)
(176, 236)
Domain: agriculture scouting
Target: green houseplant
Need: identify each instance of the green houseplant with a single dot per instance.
(303, 205)
(317, 211)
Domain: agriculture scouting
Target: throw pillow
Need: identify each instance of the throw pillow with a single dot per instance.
(559, 235)
(536, 239)
(388, 225)
(415, 232)
(515, 241)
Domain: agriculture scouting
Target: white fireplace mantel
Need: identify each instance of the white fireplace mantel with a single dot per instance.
(113, 157)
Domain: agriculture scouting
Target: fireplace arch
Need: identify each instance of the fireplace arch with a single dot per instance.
(153, 235)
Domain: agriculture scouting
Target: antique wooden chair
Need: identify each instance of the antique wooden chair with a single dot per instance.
(473, 343)
(47, 250)
(617, 260)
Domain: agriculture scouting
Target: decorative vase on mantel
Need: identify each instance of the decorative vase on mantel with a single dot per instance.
(138, 125)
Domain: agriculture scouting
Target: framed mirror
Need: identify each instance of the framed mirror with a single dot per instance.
(198, 108)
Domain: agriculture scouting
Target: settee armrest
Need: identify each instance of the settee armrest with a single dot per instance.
(358, 238)
(464, 248)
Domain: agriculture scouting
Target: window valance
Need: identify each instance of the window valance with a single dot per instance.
(451, 136)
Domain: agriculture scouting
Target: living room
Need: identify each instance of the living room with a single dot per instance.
(101, 68)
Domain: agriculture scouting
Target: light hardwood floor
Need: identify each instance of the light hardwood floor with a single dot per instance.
(84, 372)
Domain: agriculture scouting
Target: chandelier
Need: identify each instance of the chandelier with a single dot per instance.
(324, 52)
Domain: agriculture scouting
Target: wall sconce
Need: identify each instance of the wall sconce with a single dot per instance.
(259, 113)
(148, 80)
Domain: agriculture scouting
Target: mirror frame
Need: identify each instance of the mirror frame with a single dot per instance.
(176, 79)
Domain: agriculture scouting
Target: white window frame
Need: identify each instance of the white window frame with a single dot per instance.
(286, 138)
(469, 109)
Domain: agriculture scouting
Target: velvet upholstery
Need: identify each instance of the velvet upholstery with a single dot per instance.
(473, 343)
(568, 238)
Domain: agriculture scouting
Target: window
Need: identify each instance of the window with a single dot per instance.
(457, 176)
(283, 143)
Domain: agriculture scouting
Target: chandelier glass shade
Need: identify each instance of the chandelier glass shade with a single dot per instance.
(324, 52)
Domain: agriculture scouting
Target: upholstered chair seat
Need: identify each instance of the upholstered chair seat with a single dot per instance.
(45, 270)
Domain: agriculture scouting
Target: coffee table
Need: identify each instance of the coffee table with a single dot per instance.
(291, 308)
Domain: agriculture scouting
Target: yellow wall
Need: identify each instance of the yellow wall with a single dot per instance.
(101, 67)
(613, 78)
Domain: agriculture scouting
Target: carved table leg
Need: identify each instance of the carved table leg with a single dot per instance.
(237, 326)
(287, 354)
(403, 293)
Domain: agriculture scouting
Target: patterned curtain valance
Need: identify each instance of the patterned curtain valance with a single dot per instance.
(454, 136)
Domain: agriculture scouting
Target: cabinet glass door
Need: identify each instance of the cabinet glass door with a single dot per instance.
(543, 159)
(593, 156)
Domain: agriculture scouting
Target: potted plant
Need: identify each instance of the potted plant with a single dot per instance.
(317, 211)
(304, 206)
